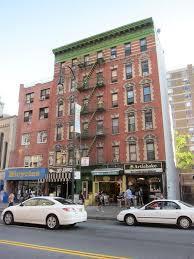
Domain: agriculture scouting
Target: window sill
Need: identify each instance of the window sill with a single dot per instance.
(115, 134)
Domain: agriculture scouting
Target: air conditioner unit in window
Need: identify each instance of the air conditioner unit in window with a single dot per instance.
(145, 73)
(42, 97)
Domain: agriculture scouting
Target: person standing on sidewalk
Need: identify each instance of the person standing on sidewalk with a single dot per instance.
(128, 197)
(100, 201)
(11, 199)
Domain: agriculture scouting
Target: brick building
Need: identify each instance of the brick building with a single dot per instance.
(114, 76)
(29, 162)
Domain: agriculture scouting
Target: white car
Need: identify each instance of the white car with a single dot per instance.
(49, 211)
(160, 211)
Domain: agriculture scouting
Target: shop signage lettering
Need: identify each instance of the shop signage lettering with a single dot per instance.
(143, 166)
(24, 174)
(4, 125)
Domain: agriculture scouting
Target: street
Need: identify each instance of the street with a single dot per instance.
(96, 239)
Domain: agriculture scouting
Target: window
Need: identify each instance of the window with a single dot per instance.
(170, 205)
(115, 100)
(132, 152)
(99, 77)
(33, 161)
(60, 89)
(25, 139)
(127, 49)
(128, 70)
(85, 104)
(114, 77)
(60, 109)
(143, 44)
(130, 96)
(59, 132)
(84, 152)
(156, 205)
(148, 119)
(74, 62)
(33, 202)
(99, 127)
(42, 137)
(45, 202)
(28, 116)
(131, 122)
(43, 113)
(150, 150)
(100, 102)
(145, 67)
(71, 131)
(73, 84)
(85, 126)
(70, 157)
(71, 108)
(85, 81)
(115, 153)
(146, 93)
(58, 158)
(45, 94)
(30, 98)
(115, 125)
(86, 60)
(100, 155)
(99, 55)
(113, 53)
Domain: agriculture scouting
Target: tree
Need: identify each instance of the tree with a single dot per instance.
(184, 158)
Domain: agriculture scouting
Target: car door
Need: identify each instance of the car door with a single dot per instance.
(169, 212)
(26, 212)
(44, 206)
(150, 213)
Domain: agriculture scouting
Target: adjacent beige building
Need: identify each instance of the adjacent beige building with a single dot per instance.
(7, 144)
(181, 97)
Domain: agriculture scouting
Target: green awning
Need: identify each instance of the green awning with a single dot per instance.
(106, 171)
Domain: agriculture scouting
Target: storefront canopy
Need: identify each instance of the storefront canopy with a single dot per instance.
(106, 171)
(25, 173)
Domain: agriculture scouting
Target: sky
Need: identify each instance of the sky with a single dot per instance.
(29, 30)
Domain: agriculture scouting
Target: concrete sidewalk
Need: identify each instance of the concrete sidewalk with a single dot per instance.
(108, 213)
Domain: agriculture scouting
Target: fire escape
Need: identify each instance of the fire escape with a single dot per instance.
(93, 110)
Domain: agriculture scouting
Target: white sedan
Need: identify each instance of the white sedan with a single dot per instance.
(160, 211)
(49, 211)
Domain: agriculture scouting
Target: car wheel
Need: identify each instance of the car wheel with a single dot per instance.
(130, 220)
(184, 222)
(8, 218)
(52, 222)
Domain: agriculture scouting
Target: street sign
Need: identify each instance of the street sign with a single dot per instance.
(77, 175)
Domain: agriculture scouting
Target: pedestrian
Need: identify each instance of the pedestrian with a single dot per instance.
(128, 197)
(81, 198)
(11, 199)
(100, 201)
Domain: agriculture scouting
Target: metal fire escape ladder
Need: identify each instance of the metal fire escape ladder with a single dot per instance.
(94, 139)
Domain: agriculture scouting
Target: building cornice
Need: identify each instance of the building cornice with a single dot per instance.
(101, 40)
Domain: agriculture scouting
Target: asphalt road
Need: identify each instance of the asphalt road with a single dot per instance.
(96, 239)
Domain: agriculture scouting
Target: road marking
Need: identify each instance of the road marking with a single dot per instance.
(61, 250)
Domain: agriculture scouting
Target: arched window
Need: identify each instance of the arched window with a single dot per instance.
(150, 149)
(131, 122)
(130, 95)
(60, 108)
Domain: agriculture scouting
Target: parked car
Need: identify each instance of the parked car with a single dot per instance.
(49, 211)
(160, 211)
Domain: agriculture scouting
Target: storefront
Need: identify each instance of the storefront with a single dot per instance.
(108, 180)
(59, 181)
(2, 177)
(146, 180)
(23, 181)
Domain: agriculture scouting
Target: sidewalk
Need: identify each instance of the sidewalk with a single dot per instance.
(110, 212)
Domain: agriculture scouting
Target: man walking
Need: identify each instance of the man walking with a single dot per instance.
(128, 197)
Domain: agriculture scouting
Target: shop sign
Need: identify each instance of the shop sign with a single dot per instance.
(139, 167)
(77, 175)
(85, 161)
(25, 173)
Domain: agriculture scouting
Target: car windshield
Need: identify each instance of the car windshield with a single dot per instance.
(186, 204)
(64, 201)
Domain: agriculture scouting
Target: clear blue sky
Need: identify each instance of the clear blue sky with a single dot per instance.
(30, 29)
